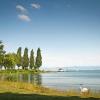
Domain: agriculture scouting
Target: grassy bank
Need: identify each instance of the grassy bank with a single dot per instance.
(19, 91)
(21, 71)
(26, 88)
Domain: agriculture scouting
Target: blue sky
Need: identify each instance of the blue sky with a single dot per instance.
(67, 31)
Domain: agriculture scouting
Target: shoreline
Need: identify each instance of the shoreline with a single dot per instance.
(27, 88)
(22, 71)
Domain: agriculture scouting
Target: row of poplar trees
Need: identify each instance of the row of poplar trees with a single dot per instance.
(10, 60)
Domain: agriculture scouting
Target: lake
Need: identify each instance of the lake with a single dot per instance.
(59, 80)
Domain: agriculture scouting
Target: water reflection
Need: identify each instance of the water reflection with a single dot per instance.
(29, 78)
(59, 80)
(8, 77)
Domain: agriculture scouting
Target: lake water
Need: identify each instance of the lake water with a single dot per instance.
(59, 80)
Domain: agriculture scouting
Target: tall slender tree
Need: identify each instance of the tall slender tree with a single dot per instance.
(25, 60)
(38, 62)
(31, 59)
(19, 58)
(2, 52)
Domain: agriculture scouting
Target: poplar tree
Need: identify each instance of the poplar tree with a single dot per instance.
(38, 62)
(25, 60)
(31, 59)
(19, 58)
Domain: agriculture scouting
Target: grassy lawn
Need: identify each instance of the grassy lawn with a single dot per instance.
(25, 91)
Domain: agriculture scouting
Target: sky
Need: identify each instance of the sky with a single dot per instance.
(67, 31)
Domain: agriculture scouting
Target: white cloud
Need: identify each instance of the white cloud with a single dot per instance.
(24, 18)
(36, 6)
(21, 9)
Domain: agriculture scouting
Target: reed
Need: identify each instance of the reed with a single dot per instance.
(27, 88)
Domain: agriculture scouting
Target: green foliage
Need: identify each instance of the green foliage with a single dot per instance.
(38, 62)
(9, 61)
(31, 59)
(14, 57)
(25, 60)
(19, 58)
(2, 52)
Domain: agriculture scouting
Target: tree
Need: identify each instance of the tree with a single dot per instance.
(38, 62)
(2, 52)
(9, 61)
(31, 59)
(14, 55)
(25, 60)
(19, 58)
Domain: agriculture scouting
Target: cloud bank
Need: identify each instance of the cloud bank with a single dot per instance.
(23, 12)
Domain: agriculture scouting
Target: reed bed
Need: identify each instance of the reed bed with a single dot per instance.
(27, 88)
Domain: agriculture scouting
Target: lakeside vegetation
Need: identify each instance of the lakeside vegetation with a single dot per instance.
(19, 90)
(22, 71)
(25, 62)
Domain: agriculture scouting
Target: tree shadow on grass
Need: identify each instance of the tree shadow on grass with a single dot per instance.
(15, 96)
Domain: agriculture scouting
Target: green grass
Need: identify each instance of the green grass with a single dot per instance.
(21, 71)
(26, 91)
(16, 96)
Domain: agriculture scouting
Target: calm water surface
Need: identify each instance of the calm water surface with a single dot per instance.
(59, 80)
